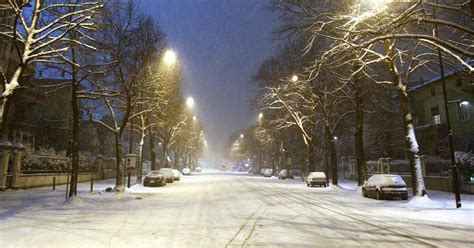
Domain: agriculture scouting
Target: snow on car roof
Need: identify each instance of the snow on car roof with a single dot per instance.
(317, 174)
(387, 179)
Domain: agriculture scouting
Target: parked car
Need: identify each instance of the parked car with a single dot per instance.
(186, 171)
(385, 186)
(316, 178)
(176, 173)
(268, 172)
(154, 179)
(168, 174)
(284, 174)
(198, 169)
(262, 171)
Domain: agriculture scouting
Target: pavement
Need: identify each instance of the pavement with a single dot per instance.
(214, 209)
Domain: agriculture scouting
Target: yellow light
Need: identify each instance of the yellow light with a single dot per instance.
(294, 78)
(377, 4)
(260, 116)
(190, 102)
(170, 57)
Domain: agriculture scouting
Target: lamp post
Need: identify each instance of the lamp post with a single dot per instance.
(448, 122)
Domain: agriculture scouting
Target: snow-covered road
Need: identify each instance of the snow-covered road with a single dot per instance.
(219, 210)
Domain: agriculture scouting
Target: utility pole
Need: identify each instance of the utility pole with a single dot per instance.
(448, 122)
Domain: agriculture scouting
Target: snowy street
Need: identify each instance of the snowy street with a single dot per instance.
(228, 210)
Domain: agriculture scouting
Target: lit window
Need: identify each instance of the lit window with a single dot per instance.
(436, 116)
(463, 112)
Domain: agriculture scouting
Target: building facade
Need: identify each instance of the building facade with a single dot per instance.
(427, 104)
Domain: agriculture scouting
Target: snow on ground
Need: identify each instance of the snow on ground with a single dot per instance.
(213, 209)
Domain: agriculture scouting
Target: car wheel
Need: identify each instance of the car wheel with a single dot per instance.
(364, 192)
(307, 184)
(405, 197)
(377, 195)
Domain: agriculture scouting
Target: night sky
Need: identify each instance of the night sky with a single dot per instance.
(220, 45)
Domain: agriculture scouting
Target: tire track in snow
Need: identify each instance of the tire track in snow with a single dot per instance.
(337, 210)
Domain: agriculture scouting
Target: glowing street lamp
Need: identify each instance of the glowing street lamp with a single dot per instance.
(194, 118)
(190, 102)
(294, 78)
(169, 57)
(241, 136)
(260, 116)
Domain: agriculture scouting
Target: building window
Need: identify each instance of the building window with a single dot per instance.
(436, 116)
(459, 82)
(463, 112)
(433, 91)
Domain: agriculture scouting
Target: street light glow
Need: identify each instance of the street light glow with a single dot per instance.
(260, 116)
(190, 102)
(194, 118)
(241, 135)
(294, 78)
(170, 57)
(378, 3)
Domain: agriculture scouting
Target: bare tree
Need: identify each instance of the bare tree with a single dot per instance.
(127, 58)
(40, 33)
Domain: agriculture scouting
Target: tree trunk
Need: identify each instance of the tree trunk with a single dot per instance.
(332, 154)
(165, 155)
(359, 134)
(75, 130)
(310, 149)
(140, 156)
(153, 151)
(176, 160)
(411, 143)
(5, 98)
(4, 106)
(119, 183)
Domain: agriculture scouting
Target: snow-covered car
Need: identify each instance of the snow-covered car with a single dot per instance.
(154, 179)
(316, 178)
(176, 173)
(186, 171)
(168, 174)
(385, 186)
(262, 171)
(284, 174)
(268, 172)
(198, 169)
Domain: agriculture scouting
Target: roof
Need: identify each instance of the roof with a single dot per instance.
(438, 78)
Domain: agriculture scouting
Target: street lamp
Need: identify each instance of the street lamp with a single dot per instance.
(260, 116)
(190, 102)
(169, 57)
(241, 136)
(194, 118)
(294, 78)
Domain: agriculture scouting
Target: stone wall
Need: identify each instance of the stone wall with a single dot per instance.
(13, 177)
